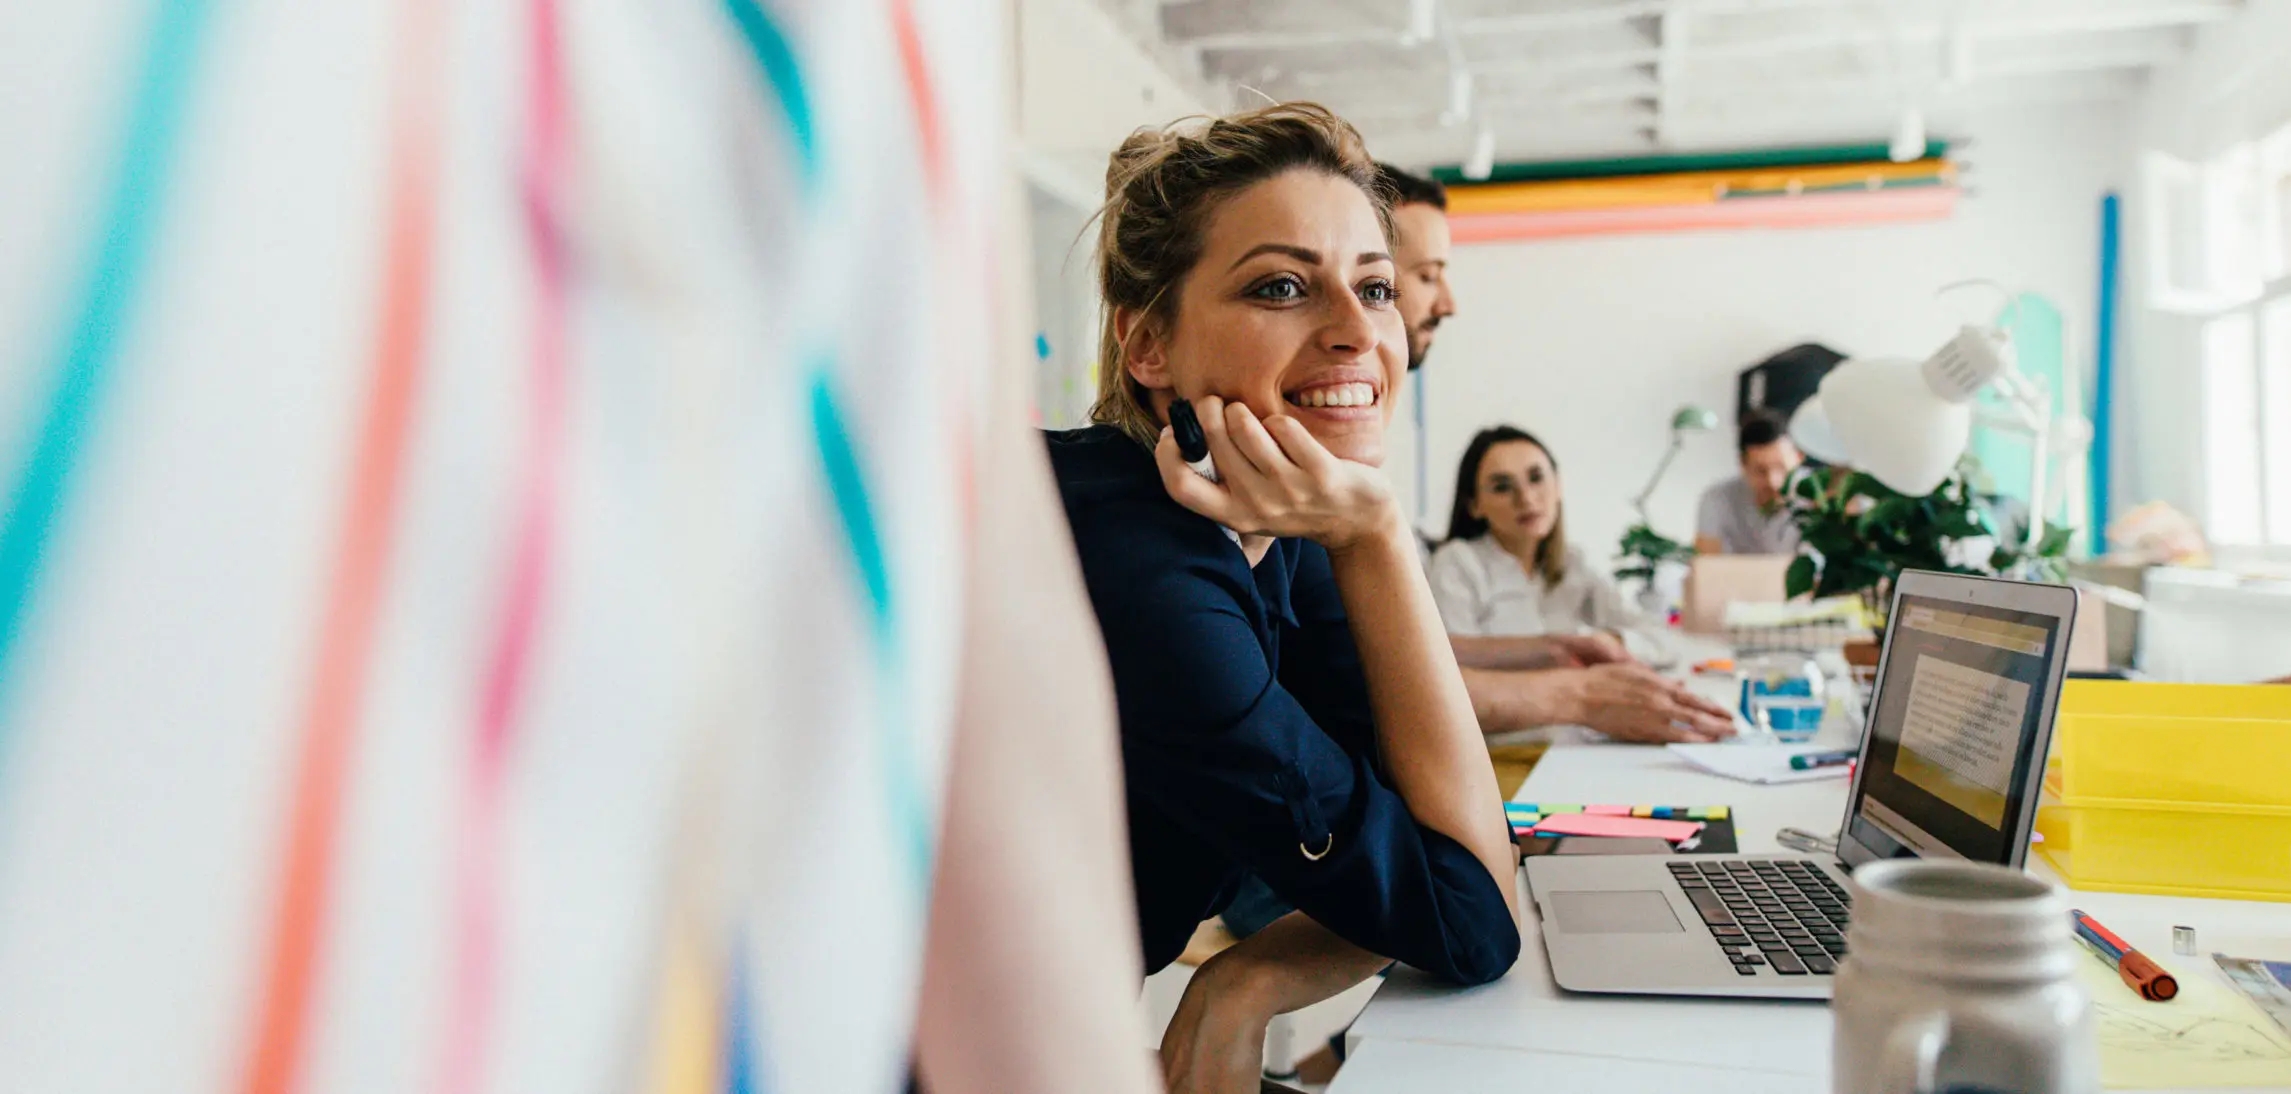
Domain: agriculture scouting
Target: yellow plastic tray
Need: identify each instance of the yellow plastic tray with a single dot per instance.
(2125, 743)
(2204, 850)
(2177, 789)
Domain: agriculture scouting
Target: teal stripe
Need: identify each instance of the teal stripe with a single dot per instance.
(776, 56)
(742, 1040)
(130, 219)
(847, 487)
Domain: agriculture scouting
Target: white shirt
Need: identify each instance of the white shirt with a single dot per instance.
(1481, 589)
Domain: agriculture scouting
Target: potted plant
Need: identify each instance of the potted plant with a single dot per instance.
(1857, 535)
(1641, 555)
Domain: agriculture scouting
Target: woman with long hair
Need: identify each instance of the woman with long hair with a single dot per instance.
(1289, 704)
(1506, 567)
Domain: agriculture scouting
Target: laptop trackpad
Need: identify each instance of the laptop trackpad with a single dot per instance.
(1645, 912)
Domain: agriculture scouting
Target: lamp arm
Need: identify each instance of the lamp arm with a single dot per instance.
(1640, 503)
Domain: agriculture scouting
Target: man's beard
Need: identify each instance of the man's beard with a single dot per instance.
(1420, 344)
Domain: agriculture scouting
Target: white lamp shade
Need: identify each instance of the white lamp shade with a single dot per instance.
(1810, 430)
(1892, 425)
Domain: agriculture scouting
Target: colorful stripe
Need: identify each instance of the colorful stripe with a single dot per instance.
(741, 1066)
(855, 512)
(687, 1036)
(353, 598)
(130, 218)
(1805, 211)
(1692, 161)
(914, 63)
(478, 898)
(776, 57)
(1690, 188)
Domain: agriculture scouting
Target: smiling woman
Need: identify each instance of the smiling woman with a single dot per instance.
(1290, 706)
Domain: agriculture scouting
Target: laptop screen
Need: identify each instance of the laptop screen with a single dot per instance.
(1958, 714)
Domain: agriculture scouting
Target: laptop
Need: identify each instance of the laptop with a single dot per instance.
(1951, 763)
(1715, 581)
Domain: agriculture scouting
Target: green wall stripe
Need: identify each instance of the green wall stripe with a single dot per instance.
(1664, 165)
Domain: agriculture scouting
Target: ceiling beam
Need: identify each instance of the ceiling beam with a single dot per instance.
(1214, 25)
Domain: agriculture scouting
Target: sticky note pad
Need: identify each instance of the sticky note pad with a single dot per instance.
(1699, 812)
(1662, 811)
(1608, 810)
(1716, 812)
(1643, 811)
(1541, 834)
(1520, 807)
(1601, 824)
(1550, 809)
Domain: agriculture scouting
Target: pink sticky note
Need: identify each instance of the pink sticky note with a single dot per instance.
(1608, 810)
(1592, 824)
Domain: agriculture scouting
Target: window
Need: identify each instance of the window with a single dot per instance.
(2275, 413)
(2231, 430)
(2223, 242)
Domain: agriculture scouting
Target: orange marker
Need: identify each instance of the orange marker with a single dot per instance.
(2141, 974)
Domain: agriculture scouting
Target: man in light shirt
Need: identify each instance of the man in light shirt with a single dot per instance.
(1744, 515)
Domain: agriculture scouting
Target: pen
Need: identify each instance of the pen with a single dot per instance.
(1811, 760)
(1192, 444)
(2143, 976)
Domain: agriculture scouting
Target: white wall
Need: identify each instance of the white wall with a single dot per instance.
(1591, 344)
(1082, 86)
(2233, 86)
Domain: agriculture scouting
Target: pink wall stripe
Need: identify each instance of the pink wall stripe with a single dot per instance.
(477, 882)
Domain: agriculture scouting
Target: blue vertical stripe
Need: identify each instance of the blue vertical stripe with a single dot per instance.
(2104, 367)
(741, 1037)
(855, 512)
(130, 219)
(773, 53)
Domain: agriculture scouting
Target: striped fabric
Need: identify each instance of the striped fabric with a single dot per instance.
(486, 488)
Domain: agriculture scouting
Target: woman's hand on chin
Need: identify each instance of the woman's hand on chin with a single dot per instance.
(1277, 480)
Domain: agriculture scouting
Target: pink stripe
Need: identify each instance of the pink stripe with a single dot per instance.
(477, 903)
(1803, 211)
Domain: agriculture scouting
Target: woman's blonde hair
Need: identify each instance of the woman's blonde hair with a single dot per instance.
(1162, 186)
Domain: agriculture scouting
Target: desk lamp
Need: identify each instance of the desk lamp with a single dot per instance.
(1906, 423)
(1688, 419)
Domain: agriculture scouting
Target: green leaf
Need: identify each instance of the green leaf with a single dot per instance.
(1800, 579)
(2055, 541)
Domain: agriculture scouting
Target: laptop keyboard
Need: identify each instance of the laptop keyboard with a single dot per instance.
(1780, 914)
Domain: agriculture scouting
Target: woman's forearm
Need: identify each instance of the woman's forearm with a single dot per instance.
(1424, 719)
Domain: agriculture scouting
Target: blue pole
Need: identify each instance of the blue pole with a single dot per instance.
(2104, 363)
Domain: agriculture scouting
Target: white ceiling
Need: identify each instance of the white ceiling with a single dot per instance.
(1559, 78)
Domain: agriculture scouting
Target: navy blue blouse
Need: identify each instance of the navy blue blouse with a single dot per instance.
(1247, 743)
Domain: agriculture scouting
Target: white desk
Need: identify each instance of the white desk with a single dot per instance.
(1523, 1029)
